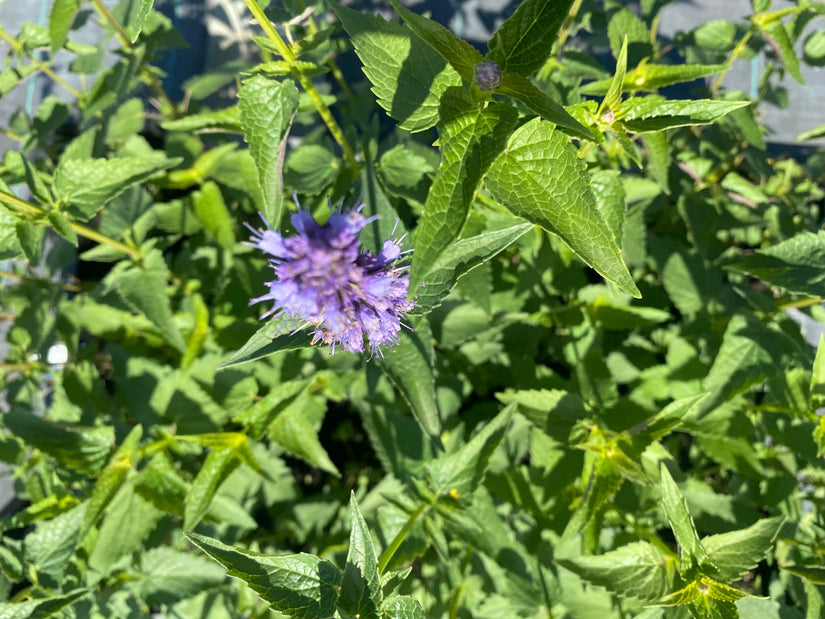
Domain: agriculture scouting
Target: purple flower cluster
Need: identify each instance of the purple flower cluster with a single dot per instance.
(323, 279)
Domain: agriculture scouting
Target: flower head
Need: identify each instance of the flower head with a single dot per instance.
(323, 278)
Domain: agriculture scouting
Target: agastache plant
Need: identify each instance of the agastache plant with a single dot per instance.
(323, 278)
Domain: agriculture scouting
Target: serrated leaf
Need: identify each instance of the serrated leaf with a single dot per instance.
(86, 185)
(408, 77)
(275, 335)
(461, 55)
(552, 411)
(539, 177)
(458, 474)
(309, 168)
(401, 167)
(161, 485)
(655, 113)
(653, 76)
(661, 424)
(112, 477)
(635, 570)
(402, 607)
(136, 25)
(471, 138)
(796, 264)
(523, 42)
(267, 108)
(216, 468)
(610, 200)
(613, 97)
(301, 585)
(61, 17)
(143, 287)
(693, 553)
(360, 594)
(521, 89)
(410, 367)
(736, 552)
(460, 258)
(603, 484)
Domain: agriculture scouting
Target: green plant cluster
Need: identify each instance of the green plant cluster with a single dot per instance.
(601, 408)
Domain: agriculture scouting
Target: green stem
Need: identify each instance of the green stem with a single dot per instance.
(389, 551)
(734, 54)
(149, 78)
(44, 68)
(565, 30)
(79, 229)
(801, 303)
(42, 282)
(287, 54)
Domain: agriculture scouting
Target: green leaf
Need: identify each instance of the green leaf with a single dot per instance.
(635, 570)
(62, 226)
(539, 177)
(161, 485)
(86, 185)
(814, 48)
(796, 264)
(737, 552)
(458, 474)
(310, 168)
(410, 367)
(408, 77)
(401, 167)
(267, 108)
(360, 594)
(275, 335)
(811, 134)
(461, 55)
(812, 573)
(50, 547)
(300, 585)
(471, 138)
(613, 97)
(112, 477)
(402, 607)
(749, 353)
(263, 412)
(778, 32)
(603, 484)
(523, 90)
(137, 23)
(654, 112)
(143, 287)
(83, 449)
(40, 608)
(293, 431)
(523, 42)
(30, 235)
(653, 76)
(61, 17)
(625, 25)
(552, 411)
(610, 200)
(216, 468)
(169, 575)
(817, 388)
(228, 118)
(459, 259)
(212, 212)
(693, 553)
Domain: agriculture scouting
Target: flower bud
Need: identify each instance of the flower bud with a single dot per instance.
(487, 75)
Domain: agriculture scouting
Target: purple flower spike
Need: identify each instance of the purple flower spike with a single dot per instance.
(325, 280)
(487, 75)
